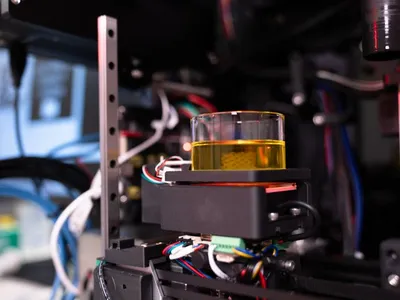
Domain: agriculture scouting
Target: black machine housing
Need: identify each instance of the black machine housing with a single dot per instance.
(192, 205)
(137, 268)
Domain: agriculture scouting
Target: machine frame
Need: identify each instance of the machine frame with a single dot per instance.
(136, 271)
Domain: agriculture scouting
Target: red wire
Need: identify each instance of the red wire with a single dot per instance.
(327, 130)
(202, 103)
(191, 268)
(131, 134)
(163, 164)
(147, 173)
(164, 252)
(84, 168)
(227, 21)
(185, 113)
(263, 282)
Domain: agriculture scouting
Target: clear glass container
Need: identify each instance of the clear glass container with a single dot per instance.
(238, 140)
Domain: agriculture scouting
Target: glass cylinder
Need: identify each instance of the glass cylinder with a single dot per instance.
(238, 140)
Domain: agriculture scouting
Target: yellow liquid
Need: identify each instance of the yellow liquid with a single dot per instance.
(239, 155)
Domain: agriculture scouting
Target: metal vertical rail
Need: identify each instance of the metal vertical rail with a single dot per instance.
(109, 133)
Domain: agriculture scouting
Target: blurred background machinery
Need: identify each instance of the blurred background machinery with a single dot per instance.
(341, 111)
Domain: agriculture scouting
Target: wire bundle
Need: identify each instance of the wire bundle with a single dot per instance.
(183, 262)
(94, 191)
(173, 161)
(66, 242)
(328, 107)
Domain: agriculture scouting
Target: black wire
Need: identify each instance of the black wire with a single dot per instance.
(37, 167)
(17, 124)
(311, 209)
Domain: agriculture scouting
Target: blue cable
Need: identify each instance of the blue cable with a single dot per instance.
(271, 247)
(209, 277)
(246, 251)
(358, 193)
(355, 178)
(57, 282)
(90, 138)
(51, 209)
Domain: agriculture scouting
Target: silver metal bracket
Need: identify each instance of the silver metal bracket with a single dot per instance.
(109, 131)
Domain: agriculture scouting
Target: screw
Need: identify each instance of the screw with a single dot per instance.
(123, 199)
(273, 216)
(289, 265)
(295, 211)
(394, 280)
(16, 2)
(319, 119)
(137, 74)
(298, 99)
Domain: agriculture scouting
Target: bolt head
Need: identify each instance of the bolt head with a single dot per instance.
(16, 2)
(318, 119)
(290, 265)
(394, 280)
(295, 211)
(123, 199)
(137, 74)
(298, 99)
(273, 216)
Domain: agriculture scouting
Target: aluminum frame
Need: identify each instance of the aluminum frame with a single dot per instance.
(109, 141)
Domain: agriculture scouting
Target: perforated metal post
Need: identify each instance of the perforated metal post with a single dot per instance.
(109, 143)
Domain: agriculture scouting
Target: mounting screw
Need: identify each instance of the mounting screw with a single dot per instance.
(273, 216)
(298, 99)
(295, 211)
(289, 265)
(137, 74)
(16, 2)
(123, 199)
(319, 119)
(394, 280)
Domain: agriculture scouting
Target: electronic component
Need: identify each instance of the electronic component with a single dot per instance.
(204, 202)
(226, 244)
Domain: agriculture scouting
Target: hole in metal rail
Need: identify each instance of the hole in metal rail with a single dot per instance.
(113, 163)
(113, 230)
(112, 130)
(111, 98)
(111, 33)
(113, 196)
(111, 65)
(124, 286)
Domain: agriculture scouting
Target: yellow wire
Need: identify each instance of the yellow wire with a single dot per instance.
(257, 269)
(240, 253)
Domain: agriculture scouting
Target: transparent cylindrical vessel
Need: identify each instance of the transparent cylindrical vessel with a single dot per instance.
(238, 140)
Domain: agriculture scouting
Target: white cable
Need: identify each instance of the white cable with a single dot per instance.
(162, 161)
(95, 192)
(360, 85)
(54, 237)
(159, 127)
(213, 264)
(182, 252)
(157, 135)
